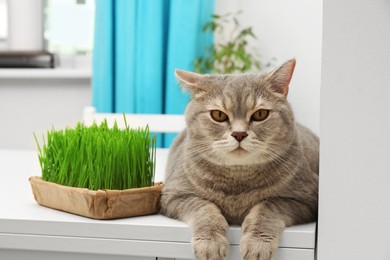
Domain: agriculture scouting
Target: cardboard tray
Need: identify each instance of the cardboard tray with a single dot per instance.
(100, 204)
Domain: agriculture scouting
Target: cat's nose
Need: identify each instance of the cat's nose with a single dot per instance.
(239, 135)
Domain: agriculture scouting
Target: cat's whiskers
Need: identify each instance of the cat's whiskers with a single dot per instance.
(200, 151)
(203, 156)
(228, 147)
(274, 150)
(280, 160)
(265, 152)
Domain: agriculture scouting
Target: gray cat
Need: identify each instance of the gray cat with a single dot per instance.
(242, 160)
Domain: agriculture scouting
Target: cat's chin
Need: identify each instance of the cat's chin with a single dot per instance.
(237, 157)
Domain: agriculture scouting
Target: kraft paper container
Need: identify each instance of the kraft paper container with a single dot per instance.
(100, 204)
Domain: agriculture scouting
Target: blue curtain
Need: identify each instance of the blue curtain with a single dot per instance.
(137, 46)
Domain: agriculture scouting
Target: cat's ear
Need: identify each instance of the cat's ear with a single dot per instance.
(280, 78)
(189, 81)
(187, 78)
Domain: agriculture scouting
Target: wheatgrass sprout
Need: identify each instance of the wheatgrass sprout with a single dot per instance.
(99, 157)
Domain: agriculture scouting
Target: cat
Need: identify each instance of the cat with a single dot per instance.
(241, 160)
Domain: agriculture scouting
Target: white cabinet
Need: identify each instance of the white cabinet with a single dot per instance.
(27, 229)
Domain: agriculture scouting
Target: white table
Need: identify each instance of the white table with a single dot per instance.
(30, 231)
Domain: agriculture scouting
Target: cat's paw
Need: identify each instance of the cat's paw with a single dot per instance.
(210, 248)
(257, 247)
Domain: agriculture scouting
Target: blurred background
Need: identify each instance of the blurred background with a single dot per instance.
(59, 56)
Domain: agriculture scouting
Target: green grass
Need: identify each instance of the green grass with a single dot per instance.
(99, 157)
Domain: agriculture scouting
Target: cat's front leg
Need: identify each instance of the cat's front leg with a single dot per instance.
(261, 232)
(207, 223)
(265, 222)
(209, 228)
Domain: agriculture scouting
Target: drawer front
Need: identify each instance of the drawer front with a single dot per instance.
(133, 249)
(48, 255)
(282, 254)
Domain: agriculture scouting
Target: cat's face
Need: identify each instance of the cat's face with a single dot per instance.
(240, 119)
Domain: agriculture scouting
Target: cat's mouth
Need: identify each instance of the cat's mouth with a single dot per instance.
(239, 150)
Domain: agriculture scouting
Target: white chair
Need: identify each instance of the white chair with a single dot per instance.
(158, 123)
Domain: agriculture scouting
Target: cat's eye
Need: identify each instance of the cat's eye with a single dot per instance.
(260, 115)
(218, 116)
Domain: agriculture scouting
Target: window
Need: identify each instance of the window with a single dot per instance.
(68, 26)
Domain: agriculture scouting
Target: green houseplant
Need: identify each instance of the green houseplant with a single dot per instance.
(97, 171)
(232, 54)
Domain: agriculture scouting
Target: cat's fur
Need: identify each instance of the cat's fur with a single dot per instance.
(269, 183)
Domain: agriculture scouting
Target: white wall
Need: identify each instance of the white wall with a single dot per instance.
(354, 218)
(34, 105)
(287, 29)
